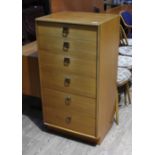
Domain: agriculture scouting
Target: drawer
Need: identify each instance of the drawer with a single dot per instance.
(69, 83)
(67, 64)
(71, 31)
(69, 111)
(77, 48)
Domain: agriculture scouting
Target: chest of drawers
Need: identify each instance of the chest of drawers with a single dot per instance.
(78, 65)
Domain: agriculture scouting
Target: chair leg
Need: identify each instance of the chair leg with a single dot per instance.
(125, 94)
(116, 107)
(128, 92)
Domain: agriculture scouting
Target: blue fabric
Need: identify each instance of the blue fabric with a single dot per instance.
(122, 1)
(127, 17)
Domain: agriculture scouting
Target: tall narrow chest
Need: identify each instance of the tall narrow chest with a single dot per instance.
(78, 66)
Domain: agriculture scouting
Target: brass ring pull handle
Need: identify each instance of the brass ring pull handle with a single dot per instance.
(67, 82)
(68, 120)
(66, 61)
(65, 31)
(65, 46)
(68, 100)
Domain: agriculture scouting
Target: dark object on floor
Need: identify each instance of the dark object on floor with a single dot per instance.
(30, 103)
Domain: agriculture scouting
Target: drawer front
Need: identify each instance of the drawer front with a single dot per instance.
(78, 32)
(76, 48)
(70, 83)
(69, 111)
(67, 64)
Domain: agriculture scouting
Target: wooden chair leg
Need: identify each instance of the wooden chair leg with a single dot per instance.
(128, 92)
(116, 107)
(125, 94)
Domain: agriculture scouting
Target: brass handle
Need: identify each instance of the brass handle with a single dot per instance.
(68, 120)
(66, 61)
(67, 100)
(65, 46)
(65, 31)
(67, 82)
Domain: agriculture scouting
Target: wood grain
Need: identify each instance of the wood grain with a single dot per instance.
(56, 99)
(73, 31)
(76, 48)
(76, 18)
(76, 5)
(107, 73)
(90, 72)
(30, 70)
(56, 111)
(79, 85)
(53, 62)
(80, 123)
(30, 49)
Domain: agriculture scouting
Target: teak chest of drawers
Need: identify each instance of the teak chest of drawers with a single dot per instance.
(78, 66)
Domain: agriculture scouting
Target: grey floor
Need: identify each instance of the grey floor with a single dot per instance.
(37, 140)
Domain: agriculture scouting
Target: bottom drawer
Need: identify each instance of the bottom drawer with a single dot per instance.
(69, 111)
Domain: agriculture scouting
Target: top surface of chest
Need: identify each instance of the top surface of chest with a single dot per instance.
(83, 18)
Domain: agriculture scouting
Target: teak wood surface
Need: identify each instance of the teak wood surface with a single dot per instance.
(76, 5)
(30, 70)
(82, 87)
(79, 106)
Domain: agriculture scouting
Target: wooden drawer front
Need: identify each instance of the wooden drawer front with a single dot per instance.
(70, 83)
(77, 48)
(78, 114)
(69, 31)
(67, 64)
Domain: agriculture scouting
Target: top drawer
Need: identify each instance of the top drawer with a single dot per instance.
(70, 31)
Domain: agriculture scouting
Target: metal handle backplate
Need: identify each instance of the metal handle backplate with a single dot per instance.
(65, 31)
(67, 82)
(67, 100)
(66, 46)
(66, 61)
